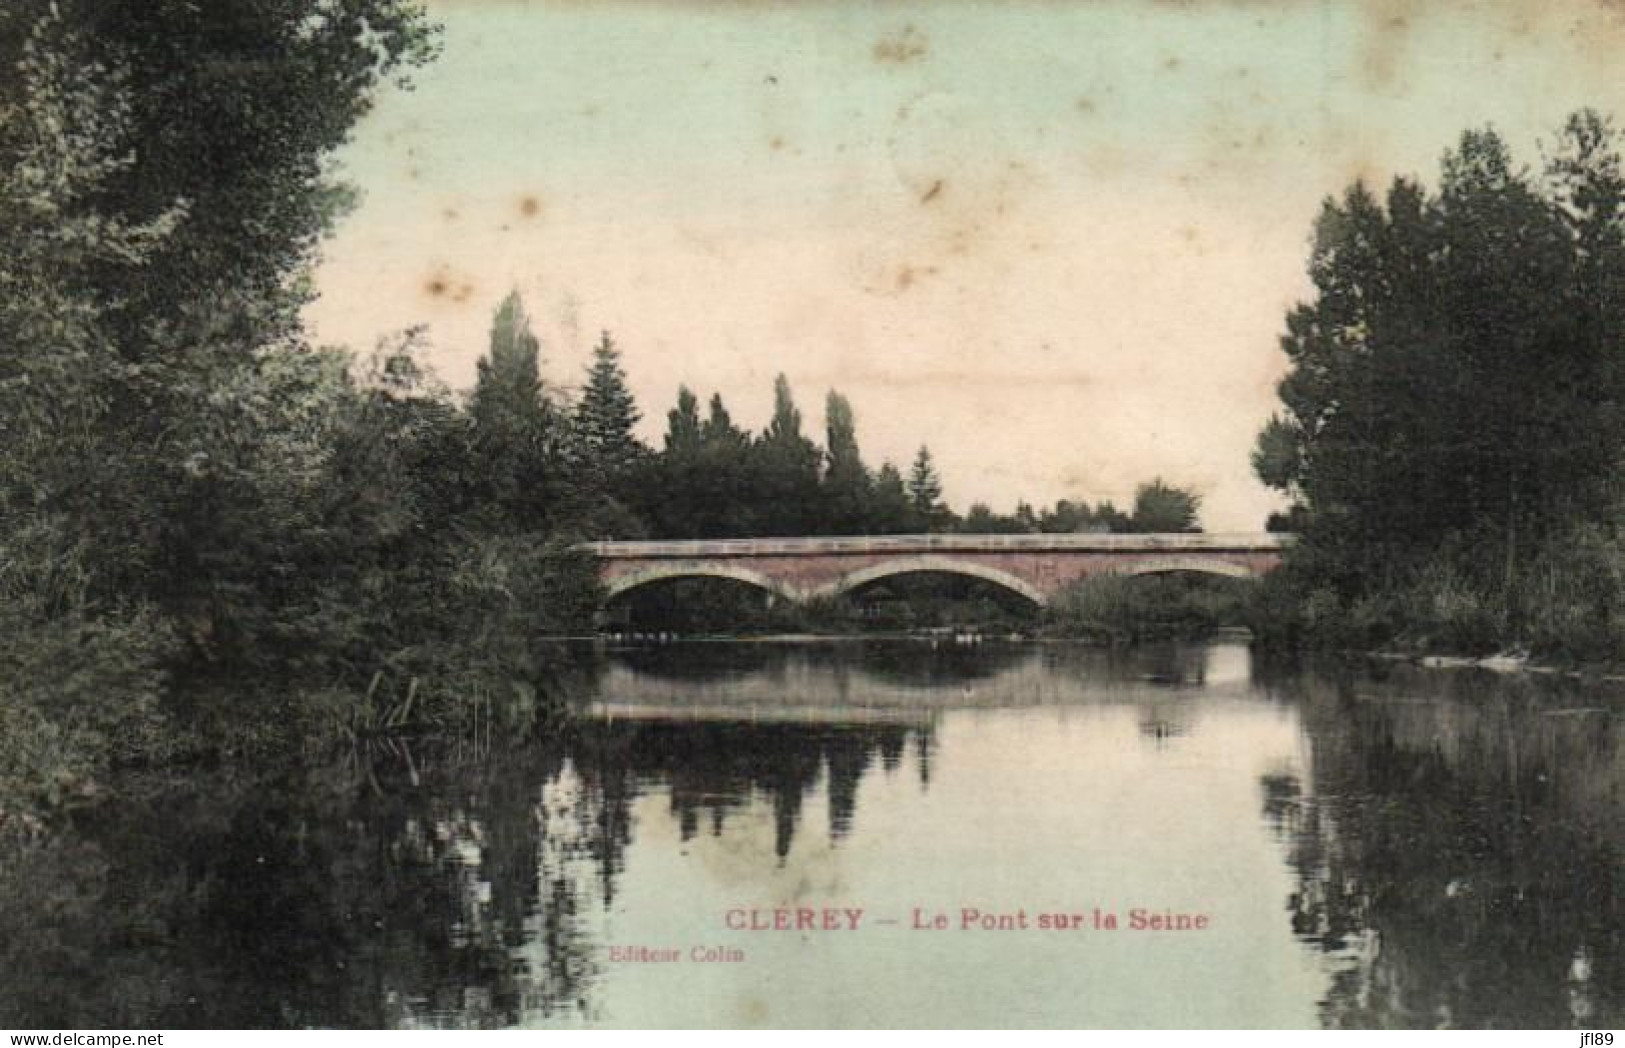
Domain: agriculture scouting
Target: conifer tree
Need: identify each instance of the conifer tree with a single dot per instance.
(925, 491)
(604, 420)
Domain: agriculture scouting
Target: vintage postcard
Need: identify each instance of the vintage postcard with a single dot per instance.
(822, 514)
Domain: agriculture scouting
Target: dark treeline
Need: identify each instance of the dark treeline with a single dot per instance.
(1454, 416)
(712, 478)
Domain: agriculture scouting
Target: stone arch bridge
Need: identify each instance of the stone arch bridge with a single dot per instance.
(1035, 566)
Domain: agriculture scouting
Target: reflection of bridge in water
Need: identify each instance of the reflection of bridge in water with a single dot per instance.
(903, 682)
(723, 725)
(1035, 566)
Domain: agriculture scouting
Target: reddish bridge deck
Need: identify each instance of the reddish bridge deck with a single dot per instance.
(1036, 566)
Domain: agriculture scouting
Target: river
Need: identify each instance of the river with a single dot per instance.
(879, 834)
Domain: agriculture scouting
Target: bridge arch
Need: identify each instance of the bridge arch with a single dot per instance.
(1199, 564)
(620, 584)
(943, 565)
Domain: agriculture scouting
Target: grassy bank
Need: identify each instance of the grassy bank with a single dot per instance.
(1123, 609)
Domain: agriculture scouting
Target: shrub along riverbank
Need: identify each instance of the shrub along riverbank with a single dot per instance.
(1567, 607)
(1121, 609)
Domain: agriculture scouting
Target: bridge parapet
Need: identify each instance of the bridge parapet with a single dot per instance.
(1079, 542)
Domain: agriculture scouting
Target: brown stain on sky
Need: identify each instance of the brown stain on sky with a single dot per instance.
(530, 206)
(908, 276)
(932, 193)
(1193, 240)
(1394, 36)
(902, 47)
(1398, 35)
(1386, 38)
(444, 286)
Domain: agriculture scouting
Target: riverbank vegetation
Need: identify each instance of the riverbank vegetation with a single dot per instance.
(1454, 416)
(215, 539)
(1124, 608)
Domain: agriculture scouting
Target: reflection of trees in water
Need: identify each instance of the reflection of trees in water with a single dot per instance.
(715, 768)
(301, 902)
(1165, 681)
(1163, 722)
(577, 859)
(702, 661)
(468, 900)
(1171, 664)
(1455, 854)
(913, 663)
(931, 664)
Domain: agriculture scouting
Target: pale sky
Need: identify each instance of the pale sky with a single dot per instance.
(1054, 241)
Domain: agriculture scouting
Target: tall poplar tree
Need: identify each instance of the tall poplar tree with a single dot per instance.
(787, 465)
(847, 486)
(683, 424)
(517, 436)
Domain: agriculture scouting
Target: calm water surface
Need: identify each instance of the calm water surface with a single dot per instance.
(1406, 849)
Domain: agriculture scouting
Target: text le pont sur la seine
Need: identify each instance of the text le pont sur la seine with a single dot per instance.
(808, 920)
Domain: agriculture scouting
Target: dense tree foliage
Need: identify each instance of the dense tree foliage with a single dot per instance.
(891, 512)
(1168, 508)
(1161, 507)
(700, 483)
(1454, 407)
(713, 479)
(789, 468)
(176, 465)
